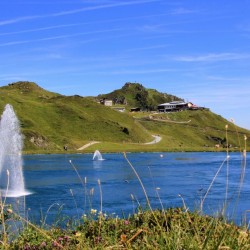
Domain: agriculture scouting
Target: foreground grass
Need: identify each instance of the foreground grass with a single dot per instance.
(158, 229)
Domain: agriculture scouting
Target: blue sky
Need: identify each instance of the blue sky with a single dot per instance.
(197, 50)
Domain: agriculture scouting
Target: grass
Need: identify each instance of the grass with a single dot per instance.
(49, 121)
(173, 228)
(42, 116)
(178, 229)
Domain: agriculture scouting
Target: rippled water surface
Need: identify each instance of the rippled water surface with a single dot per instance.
(169, 178)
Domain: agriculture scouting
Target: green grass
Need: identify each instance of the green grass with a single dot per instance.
(174, 228)
(137, 95)
(49, 121)
(201, 133)
(169, 229)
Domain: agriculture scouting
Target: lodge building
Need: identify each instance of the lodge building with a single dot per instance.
(177, 106)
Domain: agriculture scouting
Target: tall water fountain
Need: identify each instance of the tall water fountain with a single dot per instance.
(97, 156)
(11, 163)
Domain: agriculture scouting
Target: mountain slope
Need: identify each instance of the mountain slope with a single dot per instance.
(195, 130)
(49, 120)
(135, 95)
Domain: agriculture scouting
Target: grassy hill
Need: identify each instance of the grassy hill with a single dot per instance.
(50, 120)
(135, 95)
(195, 130)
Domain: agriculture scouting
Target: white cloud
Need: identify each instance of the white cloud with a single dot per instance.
(58, 37)
(17, 20)
(79, 10)
(213, 57)
(182, 11)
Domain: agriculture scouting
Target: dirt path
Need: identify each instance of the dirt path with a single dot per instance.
(87, 145)
(171, 121)
(157, 139)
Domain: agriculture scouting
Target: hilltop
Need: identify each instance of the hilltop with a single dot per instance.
(136, 95)
(49, 121)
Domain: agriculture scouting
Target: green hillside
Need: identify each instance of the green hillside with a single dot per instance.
(50, 120)
(135, 95)
(195, 130)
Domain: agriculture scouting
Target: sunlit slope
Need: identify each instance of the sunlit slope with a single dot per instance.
(50, 121)
(194, 130)
(136, 95)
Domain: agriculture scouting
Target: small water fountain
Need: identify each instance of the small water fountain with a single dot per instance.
(97, 156)
(11, 163)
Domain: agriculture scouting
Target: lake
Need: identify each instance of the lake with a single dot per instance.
(170, 179)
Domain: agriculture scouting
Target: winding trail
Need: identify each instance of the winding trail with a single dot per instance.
(171, 121)
(87, 145)
(157, 139)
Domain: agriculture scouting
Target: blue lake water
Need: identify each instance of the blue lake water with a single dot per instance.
(56, 185)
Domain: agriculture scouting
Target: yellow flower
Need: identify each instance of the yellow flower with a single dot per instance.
(93, 211)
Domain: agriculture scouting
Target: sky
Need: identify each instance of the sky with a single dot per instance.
(196, 50)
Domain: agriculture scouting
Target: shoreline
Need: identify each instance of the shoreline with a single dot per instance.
(90, 151)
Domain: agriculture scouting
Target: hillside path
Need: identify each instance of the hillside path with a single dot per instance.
(170, 121)
(157, 139)
(88, 144)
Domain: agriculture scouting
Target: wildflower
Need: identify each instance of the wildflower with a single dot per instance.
(78, 234)
(66, 238)
(93, 211)
(8, 172)
(54, 243)
(70, 161)
(126, 222)
(43, 244)
(98, 239)
(245, 137)
(60, 239)
(226, 126)
(123, 237)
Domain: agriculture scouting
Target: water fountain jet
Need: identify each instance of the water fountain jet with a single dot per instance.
(97, 156)
(11, 163)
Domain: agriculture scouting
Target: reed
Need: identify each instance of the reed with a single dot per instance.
(172, 228)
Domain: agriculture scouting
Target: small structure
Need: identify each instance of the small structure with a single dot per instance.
(172, 106)
(106, 102)
(177, 106)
